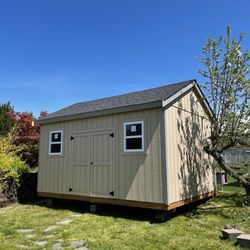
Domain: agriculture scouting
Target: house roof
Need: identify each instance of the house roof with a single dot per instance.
(153, 95)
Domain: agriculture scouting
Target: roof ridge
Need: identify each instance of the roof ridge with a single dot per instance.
(138, 91)
(151, 95)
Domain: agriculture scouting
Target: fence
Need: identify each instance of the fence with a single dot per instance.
(237, 155)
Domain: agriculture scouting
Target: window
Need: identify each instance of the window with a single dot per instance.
(55, 142)
(134, 136)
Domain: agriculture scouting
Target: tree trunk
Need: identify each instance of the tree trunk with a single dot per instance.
(219, 159)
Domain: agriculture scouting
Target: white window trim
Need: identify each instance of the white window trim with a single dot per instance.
(50, 142)
(133, 136)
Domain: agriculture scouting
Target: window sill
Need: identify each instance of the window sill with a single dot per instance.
(56, 156)
(134, 153)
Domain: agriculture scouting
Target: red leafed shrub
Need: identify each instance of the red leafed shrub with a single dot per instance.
(25, 130)
(43, 114)
(26, 136)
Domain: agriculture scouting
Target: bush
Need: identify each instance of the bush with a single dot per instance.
(11, 169)
(25, 135)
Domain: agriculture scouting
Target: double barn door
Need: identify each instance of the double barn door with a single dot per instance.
(92, 158)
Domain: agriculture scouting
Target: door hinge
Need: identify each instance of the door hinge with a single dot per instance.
(112, 193)
(112, 135)
(72, 138)
(70, 189)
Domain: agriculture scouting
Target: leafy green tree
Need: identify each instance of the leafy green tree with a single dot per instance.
(227, 88)
(7, 118)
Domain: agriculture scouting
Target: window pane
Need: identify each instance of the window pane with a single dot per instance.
(56, 137)
(134, 129)
(55, 148)
(134, 143)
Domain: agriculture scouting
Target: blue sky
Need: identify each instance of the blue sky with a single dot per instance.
(57, 52)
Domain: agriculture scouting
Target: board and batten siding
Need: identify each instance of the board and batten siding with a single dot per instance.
(189, 169)
(134, 176)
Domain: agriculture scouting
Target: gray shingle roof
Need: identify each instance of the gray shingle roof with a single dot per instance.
(139, 97)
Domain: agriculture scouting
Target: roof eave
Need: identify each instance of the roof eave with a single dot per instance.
(154, 104)
(178, 94)
(183, 91)
(204, 101)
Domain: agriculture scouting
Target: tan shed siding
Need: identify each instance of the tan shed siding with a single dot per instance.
(189, 168)
(135, 176)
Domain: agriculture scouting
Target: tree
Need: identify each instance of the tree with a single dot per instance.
(227, 89)
(7, 118)
(43, 114)
(26, 137)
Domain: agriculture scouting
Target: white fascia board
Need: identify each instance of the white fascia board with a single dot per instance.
(178, 94)
(204, 100)
(182, 91)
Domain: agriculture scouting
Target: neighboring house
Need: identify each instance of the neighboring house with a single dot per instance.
(140, 149)
(237, 155)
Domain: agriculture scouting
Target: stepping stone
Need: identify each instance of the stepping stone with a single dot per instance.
(60, 240)
(76, 215)
(29, 236)
(21, 246)
(77, 243)
(244, 240)
(81, 248)
(40, 242)
(162, 216)
(64, 222)
(231, 234)
(49, 236)
(24, 231)
(51, 228)
(94, 208)
(57, 246)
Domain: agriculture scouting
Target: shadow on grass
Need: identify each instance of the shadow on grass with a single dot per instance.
(233, 184)
(215, 206)
(115, 211)
(220, 205)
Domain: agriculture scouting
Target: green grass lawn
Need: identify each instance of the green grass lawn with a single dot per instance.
(127, 228)
(195, 227)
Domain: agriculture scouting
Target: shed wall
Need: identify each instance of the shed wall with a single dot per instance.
(190, 170)
(135, 176)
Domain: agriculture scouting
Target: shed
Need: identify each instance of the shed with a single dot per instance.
(221, 177)
(141, 149)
